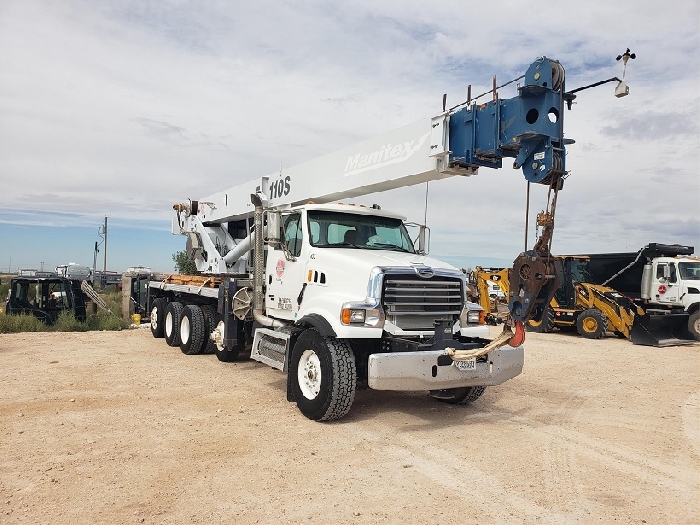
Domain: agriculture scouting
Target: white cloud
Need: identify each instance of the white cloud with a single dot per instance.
(124, 108)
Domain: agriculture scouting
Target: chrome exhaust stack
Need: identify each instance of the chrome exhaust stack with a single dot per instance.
(259, 266)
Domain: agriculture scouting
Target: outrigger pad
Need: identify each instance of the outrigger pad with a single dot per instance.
(533, 281)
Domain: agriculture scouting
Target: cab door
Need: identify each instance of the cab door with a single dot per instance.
(286, 269)
(665, 284)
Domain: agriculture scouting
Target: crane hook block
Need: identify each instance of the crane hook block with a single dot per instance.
(528, 127)
(533, 281)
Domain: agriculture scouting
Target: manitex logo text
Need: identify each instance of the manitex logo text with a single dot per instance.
(384, 156)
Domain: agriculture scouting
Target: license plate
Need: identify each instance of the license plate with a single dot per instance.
(469, 364)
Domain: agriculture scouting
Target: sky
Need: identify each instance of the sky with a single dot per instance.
(121, 109)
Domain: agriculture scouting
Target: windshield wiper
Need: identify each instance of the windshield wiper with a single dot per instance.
(387, 246)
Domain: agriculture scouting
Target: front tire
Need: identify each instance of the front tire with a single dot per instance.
(694, 324)
(462, 396)
(157, 317)
(171, 324)
(324, 376)
(592, 324)
(191, 330)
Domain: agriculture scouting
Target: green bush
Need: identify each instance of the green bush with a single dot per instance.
(66, 322)
(113, 300)
(10, 324)
(105, 321)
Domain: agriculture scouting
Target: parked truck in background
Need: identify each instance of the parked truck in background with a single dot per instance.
(341, 296)
(663, 277)
(584, 305)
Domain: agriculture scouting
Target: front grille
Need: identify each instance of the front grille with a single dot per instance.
(414, 303)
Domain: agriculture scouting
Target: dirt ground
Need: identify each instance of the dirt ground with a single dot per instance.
(117, 427)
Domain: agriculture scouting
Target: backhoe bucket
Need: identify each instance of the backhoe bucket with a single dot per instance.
(661, 329)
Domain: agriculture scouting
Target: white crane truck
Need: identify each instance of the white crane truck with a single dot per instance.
(339, 296)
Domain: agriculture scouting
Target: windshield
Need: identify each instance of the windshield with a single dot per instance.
(579, 271)
(690, 270)
(330, 229)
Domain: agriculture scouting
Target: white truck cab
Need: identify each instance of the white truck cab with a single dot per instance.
(672, 280)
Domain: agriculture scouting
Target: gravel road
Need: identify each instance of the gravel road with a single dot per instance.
(117, 427)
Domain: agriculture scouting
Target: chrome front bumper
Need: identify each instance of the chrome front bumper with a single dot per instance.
(420, 370)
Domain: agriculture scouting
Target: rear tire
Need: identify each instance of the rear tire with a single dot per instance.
(592, 323)
(463, 396)
(544, 325)
(171, 324)
(210, 321)
(191, 330)
(157, 317)
(323, 376)
(224, 354)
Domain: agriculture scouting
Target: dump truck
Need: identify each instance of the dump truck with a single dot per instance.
(663, 279)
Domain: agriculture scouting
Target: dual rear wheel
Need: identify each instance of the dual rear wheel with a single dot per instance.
(186, 326)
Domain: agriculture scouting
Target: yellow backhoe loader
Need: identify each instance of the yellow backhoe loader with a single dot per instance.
(589, 309)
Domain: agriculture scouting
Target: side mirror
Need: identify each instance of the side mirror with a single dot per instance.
(274, 227)
(424, 240)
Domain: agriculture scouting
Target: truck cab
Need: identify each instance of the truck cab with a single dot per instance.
(357, 268)
(672, 281)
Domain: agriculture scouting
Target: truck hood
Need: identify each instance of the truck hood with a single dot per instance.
(351, 267)
(361, 258)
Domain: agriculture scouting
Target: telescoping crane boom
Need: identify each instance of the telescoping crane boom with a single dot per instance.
(339, 296)
(528, 127)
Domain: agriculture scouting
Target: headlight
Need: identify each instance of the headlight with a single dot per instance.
(473, 316)
(361, 314)
(350, 315)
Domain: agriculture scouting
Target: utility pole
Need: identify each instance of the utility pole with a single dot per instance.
(94, 263)
(105, 267)
(103, 280)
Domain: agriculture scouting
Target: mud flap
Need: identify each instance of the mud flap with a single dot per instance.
(661, 329)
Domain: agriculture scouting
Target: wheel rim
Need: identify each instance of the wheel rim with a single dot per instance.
(168, 323)
(309, 374)
(219, 336)
(154, 318)
(590, 325)
(185, 329)
(696, 325)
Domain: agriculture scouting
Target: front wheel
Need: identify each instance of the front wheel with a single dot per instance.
(324, 376)
(694, 324)
(592, 323)
(461, 396)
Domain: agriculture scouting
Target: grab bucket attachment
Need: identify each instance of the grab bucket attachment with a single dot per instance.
(661, 329)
